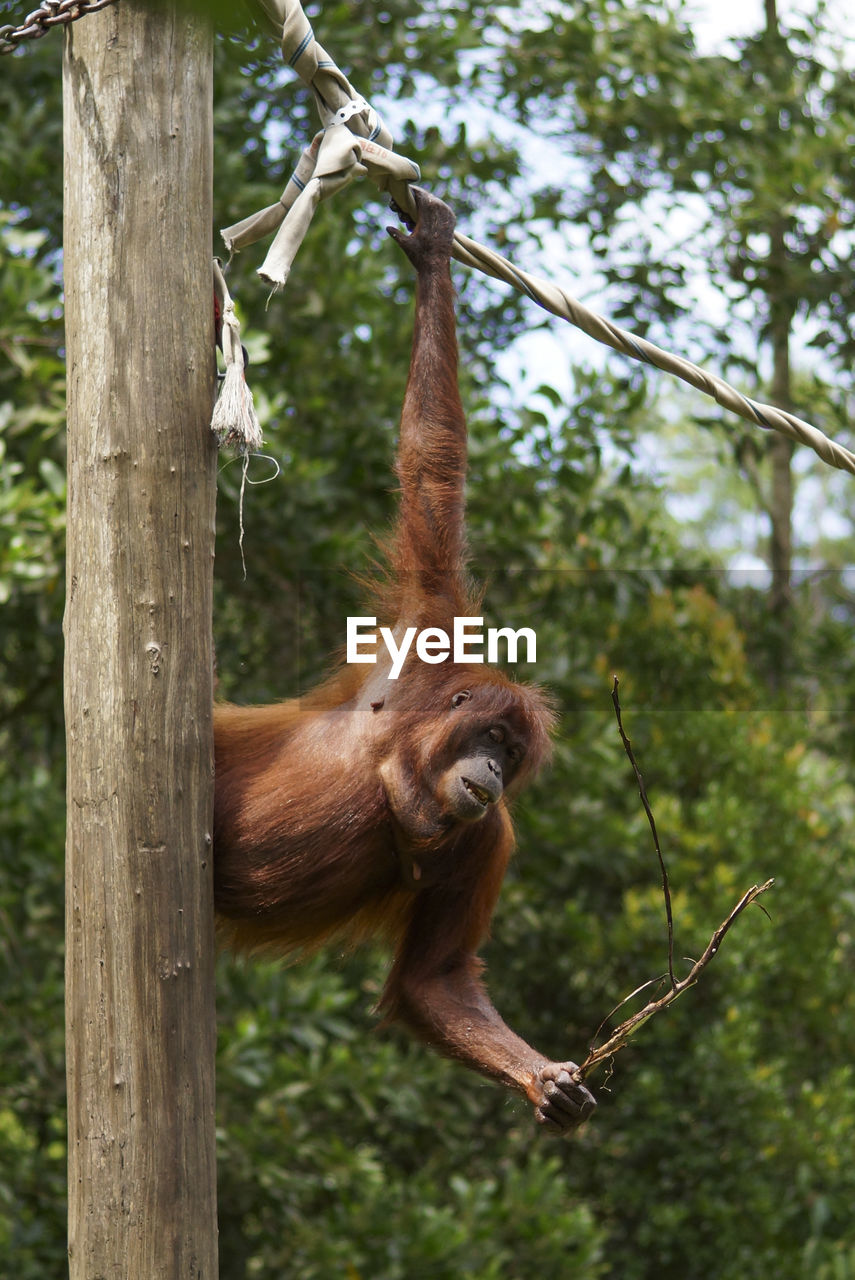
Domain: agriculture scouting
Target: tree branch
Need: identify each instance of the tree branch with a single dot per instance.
(642, 791)
(622, 1035)
(627, 1029)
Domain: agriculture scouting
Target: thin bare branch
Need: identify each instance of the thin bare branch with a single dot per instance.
(642, 791)
(621, 1036)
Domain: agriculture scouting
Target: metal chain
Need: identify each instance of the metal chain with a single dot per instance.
(51, 13)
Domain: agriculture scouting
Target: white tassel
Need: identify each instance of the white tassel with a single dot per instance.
(234, 420)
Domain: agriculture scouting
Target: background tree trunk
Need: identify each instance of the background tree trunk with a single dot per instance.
(141, 477)
(781, 488)
(781, 312)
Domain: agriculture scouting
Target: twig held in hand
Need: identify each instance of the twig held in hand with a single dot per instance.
(627, 1029)
(621, 1036)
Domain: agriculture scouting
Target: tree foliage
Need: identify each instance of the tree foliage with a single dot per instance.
(721, 1144)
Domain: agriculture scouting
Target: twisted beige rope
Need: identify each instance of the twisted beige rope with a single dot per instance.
(354, 141)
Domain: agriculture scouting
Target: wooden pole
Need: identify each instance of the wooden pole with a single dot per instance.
(137, 93)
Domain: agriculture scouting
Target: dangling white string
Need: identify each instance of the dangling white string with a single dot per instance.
(244, 481)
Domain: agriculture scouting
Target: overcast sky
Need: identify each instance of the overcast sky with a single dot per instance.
(717, 20)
